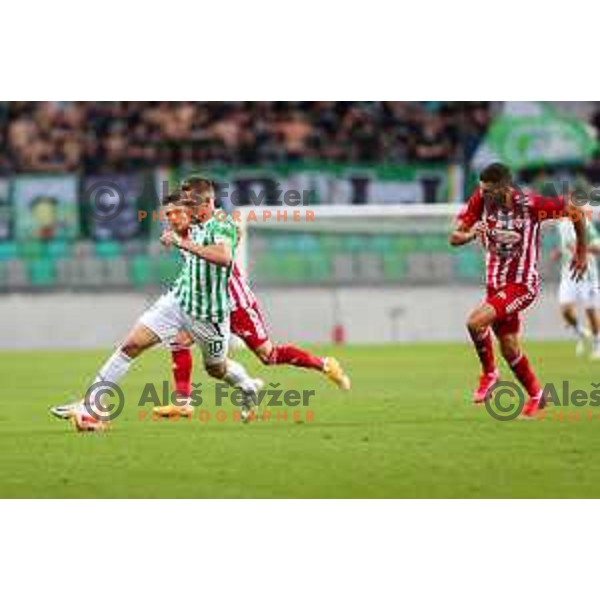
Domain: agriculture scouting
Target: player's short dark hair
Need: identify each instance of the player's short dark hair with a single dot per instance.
(496, 173)
(176, 197)
(198, 183)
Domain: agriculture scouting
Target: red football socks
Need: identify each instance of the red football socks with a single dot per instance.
(182, 370)
(485, 350)
(524, 373)
(292, 355)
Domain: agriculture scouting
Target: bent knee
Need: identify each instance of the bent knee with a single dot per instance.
(567, 311)
(264, 356)
(216, 370)
(184, 339)
(131, 348)
(264, 353)
(475, 323)
(481, 318)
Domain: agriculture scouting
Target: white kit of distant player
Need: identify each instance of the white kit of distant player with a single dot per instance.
(584, 293)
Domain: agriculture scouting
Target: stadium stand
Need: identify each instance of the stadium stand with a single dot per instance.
(345, 152)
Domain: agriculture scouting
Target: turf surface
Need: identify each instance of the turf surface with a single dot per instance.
(407, 429)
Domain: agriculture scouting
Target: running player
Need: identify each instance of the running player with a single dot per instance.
(197, 303)
(584, 292)
(508, 222)
(248, 323)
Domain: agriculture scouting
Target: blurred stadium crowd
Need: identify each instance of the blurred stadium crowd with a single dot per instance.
(52, 154)
(96, 137)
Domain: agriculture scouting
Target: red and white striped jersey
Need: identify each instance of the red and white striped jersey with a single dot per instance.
(240, 294)
(512, 237)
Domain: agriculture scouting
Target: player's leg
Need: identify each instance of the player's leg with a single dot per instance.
(85, 414)
(478, 326)
(235, 375)
(591, 308)
(286, 354)
(249, 325)
(181, 355)
(508, 303)
(113, 370)
(568, 294)
(162, 321)
(290, 354)
(213, 340)
(569, 314)
(594, 321)
(507, 332)
(181, 366)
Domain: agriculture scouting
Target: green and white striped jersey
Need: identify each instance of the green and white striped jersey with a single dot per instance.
(567, 245)
(201, 287)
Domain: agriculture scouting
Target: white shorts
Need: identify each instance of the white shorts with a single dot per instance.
(572, 292)
(166, 318)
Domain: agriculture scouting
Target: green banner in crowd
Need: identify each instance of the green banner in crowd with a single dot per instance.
(324, 183)
(535, 134)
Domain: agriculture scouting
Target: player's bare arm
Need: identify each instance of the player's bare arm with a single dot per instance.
(464, 234)
(594, 249)
(219, 254)
(580, 256)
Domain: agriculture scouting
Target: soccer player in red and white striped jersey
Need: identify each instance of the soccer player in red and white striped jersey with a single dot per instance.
(507, 221)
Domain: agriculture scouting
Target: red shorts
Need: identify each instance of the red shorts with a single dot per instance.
(249, 325)
(508, 302)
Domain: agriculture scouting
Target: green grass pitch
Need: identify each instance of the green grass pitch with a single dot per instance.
(407, 429)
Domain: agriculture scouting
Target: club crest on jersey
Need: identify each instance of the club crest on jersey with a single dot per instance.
(506, 242)
(505, 237)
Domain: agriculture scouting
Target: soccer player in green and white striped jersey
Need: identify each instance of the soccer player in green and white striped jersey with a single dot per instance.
(584, 292)
(201, 288)
(198, 303)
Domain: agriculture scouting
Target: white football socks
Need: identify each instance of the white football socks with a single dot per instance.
(114, 368)
(238, 377)
(112, 371)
